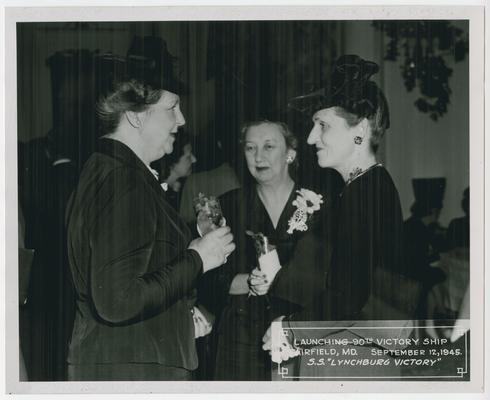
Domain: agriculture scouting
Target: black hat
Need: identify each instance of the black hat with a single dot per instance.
(429, 193)
(349, 88)
(149, 61)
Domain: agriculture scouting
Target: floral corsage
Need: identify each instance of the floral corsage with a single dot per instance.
(306, 203)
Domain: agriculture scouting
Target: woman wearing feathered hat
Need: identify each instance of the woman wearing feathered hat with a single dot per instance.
(349, 119)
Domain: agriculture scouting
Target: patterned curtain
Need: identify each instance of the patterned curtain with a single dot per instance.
(257, 66)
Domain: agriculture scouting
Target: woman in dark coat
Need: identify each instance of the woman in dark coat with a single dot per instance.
(133, 263)
(246, 299)
(349, 119)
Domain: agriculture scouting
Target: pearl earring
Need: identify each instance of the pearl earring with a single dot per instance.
(290, 159)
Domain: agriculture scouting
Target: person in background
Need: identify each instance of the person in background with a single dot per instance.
(458, 232)
(448, 299)
(175, 168)
(131, 256)
(217, 178)
(422, 241)
(422, 245)
(46, 181)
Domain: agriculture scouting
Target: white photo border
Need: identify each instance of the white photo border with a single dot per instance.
(476, 107)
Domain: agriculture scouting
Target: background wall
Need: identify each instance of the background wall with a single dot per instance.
(39, 41)
(416, 146)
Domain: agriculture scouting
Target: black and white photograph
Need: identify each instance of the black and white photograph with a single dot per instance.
(244, 199)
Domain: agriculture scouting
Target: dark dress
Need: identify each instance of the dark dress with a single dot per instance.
(366, 278)
(243, 319)
(368, 237)
(133, 274)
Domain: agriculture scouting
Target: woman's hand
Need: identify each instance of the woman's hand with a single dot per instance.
(267, 338)
(258, 283)
(202, 326)
(214, 247)
(277, 343)
(239, 285)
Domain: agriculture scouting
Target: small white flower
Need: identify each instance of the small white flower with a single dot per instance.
(164, 186)
(298, 221)
(300, 202)
(307, 202)
(312, 198)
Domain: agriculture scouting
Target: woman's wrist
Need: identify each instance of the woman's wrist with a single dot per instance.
(239, 284)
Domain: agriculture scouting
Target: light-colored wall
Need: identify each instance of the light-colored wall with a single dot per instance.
(416, 146)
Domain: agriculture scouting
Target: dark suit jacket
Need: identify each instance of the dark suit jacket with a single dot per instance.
(132, 271)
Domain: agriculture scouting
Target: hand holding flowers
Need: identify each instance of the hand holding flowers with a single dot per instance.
(259, 283)
(208, 213)
(262, 277)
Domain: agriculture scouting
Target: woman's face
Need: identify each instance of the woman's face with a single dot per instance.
(159, 125)
(183, 167)
(266, 153)
(333, 138)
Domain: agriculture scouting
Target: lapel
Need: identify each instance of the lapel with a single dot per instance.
(119, 151)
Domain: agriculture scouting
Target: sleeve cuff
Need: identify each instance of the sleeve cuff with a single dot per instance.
(196, 261)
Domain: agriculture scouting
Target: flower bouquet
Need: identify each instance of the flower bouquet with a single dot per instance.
(266, 254)
(208, 213)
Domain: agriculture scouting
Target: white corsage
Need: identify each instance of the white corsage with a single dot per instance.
(306, 203)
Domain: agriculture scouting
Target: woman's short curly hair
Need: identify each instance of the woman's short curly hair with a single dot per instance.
(131, 95)
(290, 138)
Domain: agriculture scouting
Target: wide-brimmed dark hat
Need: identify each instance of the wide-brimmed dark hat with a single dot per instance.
(149, 61)
(349, 87)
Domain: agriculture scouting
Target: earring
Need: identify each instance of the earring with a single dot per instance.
(357, 140)
(290, 159)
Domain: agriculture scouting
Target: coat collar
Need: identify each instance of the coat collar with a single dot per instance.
(122, 153)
